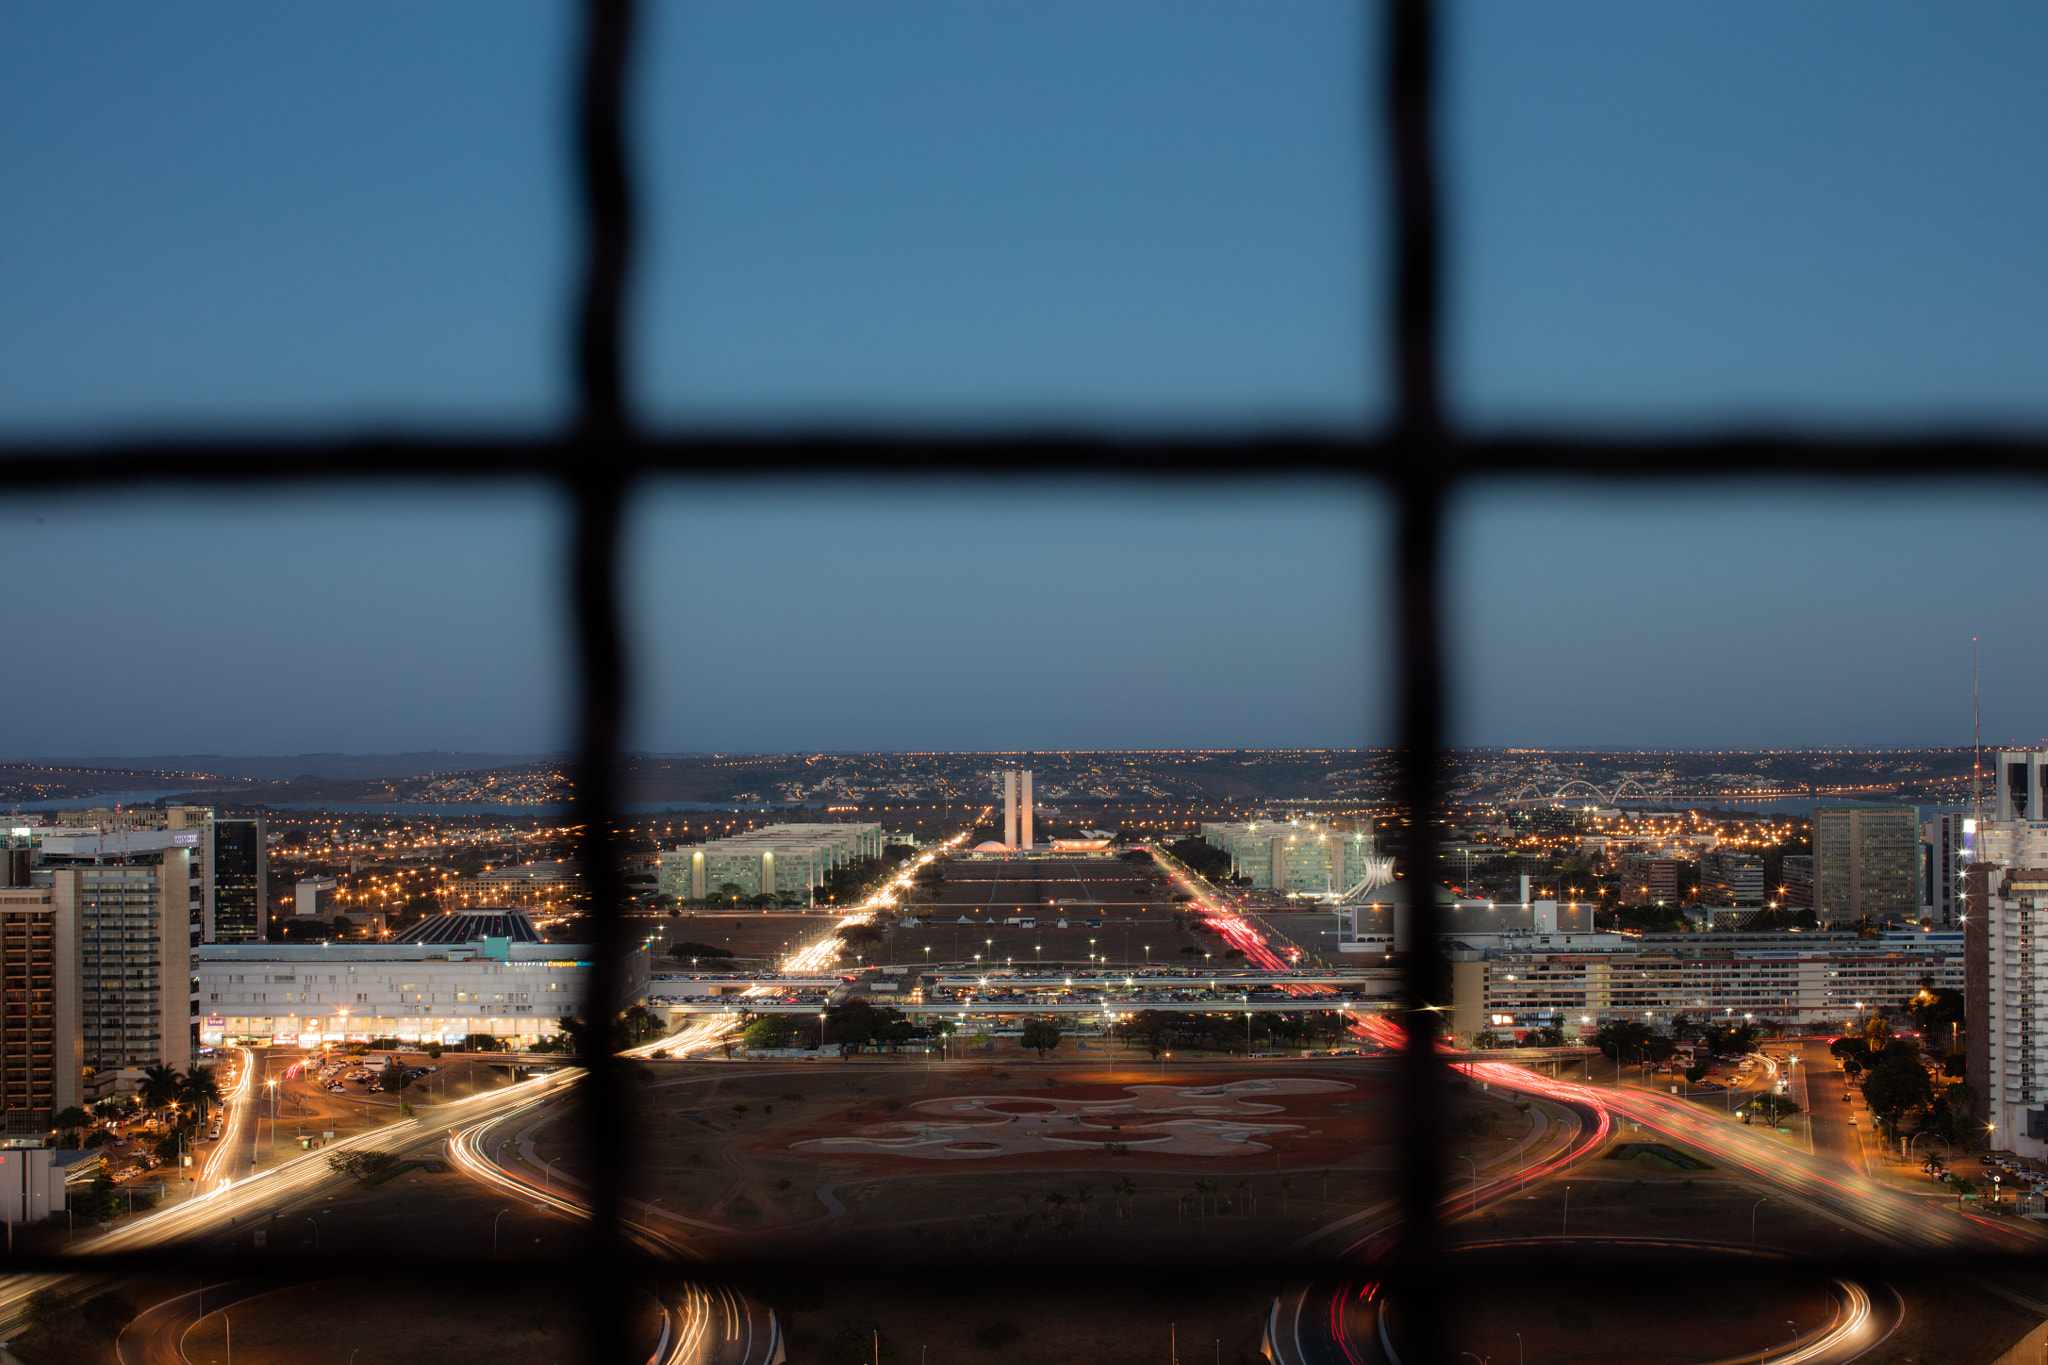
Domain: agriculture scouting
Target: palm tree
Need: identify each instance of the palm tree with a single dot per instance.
(200, 1091)
(71, 1119)
(160, 1087)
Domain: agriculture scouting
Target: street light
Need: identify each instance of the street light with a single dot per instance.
(1752, 1217)
(494, 1230)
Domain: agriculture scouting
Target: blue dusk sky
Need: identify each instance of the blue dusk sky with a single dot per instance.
(1104, 215)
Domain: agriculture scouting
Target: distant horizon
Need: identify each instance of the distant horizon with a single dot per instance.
(179, 763)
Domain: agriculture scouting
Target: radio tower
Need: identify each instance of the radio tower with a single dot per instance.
(1976, 741)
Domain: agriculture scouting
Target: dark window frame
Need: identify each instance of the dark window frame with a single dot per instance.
(1417, 460)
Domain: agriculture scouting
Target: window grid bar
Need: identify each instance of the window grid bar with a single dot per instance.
(1417, 461)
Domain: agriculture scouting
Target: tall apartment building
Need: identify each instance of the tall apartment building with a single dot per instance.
(1731, 877)
(1798, 880)
(230, 859)
(1866, 862)
(1293, 855)
(131, 916)
(1649, 880)
(41, 1045)
(2006, 989)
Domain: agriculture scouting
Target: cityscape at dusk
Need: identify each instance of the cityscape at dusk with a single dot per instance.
(1084, 682)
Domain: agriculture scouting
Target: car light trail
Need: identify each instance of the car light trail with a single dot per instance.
(231, 1131)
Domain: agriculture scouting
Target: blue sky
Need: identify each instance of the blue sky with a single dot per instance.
(1130, 216)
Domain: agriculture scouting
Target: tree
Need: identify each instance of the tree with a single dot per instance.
(1937, 1010)
(159, 1087)
(107, 1313)
(770, 1030)
(1897, 1085)
(1774, 1107)
(199, 1092)
(1041, 1035)
(393, 1079)
(361, 1166)
(860, 937)
(1695, 1073)
(71, 1118)
(1629, 1038)
(1486, 1040)
(482, 1042)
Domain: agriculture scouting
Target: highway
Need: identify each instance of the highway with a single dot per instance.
(706, 1325)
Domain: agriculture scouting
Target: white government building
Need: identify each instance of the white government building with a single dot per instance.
(440, 981)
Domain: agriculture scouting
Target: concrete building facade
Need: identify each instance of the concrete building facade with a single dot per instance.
(41, 1039)
(1731, 877)
(1293, 855)
(308, 995)
(132, 922)
(1866, 862)
(2004, 924)
(788, 860)
(1519, 983)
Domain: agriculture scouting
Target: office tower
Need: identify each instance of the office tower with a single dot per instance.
(1866, 862)
(1024, 809)
(41, 1048)
(1943, 854)
(238, 881)
(1010, 808)
(1731, 877)
(1798, 880)
(131, 918)
(2019, 785)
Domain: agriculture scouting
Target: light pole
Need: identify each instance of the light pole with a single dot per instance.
(316, 1232)
(1564, 1228)
(1752, 1217)
(272, 1083)
(647, 1217)
(1474, 1208)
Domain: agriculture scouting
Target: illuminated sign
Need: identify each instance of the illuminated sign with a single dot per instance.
(1501, 1018)
(185, 838)
(216, 1021)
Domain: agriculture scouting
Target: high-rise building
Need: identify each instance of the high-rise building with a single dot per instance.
(131, 916)
(2019, 785)
(238, 881)
(1731, 877)
(1797, 877)
(41, 1046)
(1866, 863)
(2005, 998)
(1016, 818)
(1943, 855)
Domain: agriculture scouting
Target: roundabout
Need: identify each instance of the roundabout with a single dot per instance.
(1623, 1301)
